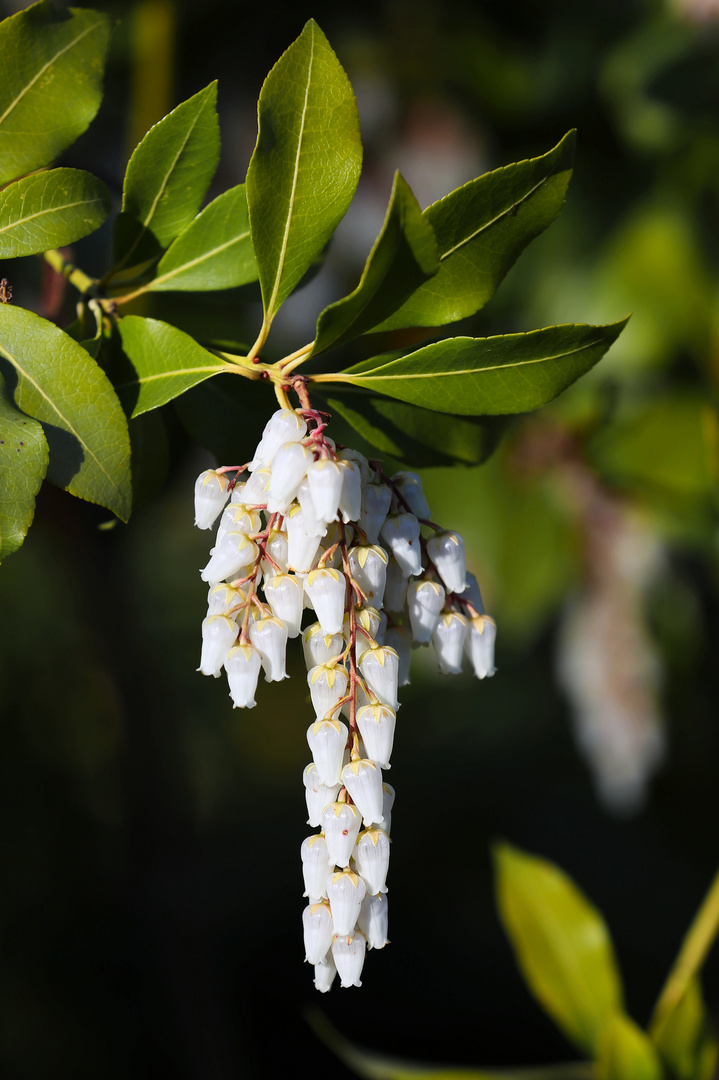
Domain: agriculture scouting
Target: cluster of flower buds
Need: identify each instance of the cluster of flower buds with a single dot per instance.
(321, 528)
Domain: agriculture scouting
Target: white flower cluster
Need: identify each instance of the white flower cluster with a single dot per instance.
(325, 530)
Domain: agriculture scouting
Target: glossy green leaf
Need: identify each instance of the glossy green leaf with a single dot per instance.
(486, 376)
(163, 362)
(305, 166)
(23, 464)
(167, 178)
(52, 62)
(677, 1038)
(404, 256)
(481, 229)
(49, 210)
(418, 437)
(561, 944)
(214, 251)
(54, 380)
(625, 1052)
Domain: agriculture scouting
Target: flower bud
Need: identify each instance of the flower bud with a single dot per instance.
(219, 633)
(314, 525)
(317, 794)
(240, 519)
(361, 699)
(350, 503)
(368, 567)
(387, 804)
(283, 426)
(371, 858)
(211, 494)
(473, 594)
(348, 454)
(380, 670)
(276, 549)
(328, 684)
(425, 600)
(345, 892)
(288, 471)
(373, 920)
(398, 638)
(235, 553)
(320, 648)
(395, 589)
(327, 590)
(325, 973)
(367, 619)
(224, 599)
(363, 780)
(301, 547)
(236, 496)
(400, 533)
(376, 499)
(449, 637)
(479, 645)
(255, 493)
(341, 823)
(409, 486)
(243, 670)
(316, 867)
(376, 724)
(446, 550)
(269, 636)
(325, 481)
(318, 932)
(284, 594)
(327, 740)
(348, 955)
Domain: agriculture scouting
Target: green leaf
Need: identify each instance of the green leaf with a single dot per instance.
(55, 381)
(561, 943)
(305, 166)
(625, 1052)
(500, 375)
(23, 464)
(52, 63)
(214, 251)
(677, 1038)
(418, 437)
(226, 415)
(481, 229)
(403, 257)
(167, 178)
(163, 362)
(49, 210)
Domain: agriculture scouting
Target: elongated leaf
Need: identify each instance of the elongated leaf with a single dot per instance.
(214, 251)
(487, 376)
(163, 363)
(23, 464)
(305, 166)
(167, 178)
(226, 415)
(481, 229)
(677, 1038)
(561, 944)
(50, 210)
(626, 1053)
(403, 257)
(52, 63)
(55, 381)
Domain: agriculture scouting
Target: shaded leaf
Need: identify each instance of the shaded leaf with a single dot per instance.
(404, 256)
(561, 944)
(677, 1037)
(54, 380)
(500, 375)
(49, 210)
(481, 229)
(226, 415)
(625, 1052)
(305, 166)
(150, 455)
(167, 178)
(52, 63)
(23, 464)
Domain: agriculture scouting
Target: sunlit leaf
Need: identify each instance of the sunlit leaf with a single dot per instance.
(677, 1037)
(49, 210)
(23, 464)
(625, 1052)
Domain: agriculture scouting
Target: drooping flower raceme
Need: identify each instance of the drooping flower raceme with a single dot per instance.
(325, 531)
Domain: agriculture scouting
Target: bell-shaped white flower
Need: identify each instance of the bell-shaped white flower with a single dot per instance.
(449, 637)
(376, 499)
(361, 699)
(313, 524)
(368, 621)
(399, 639)
(275, 554)
(376, 724)
(325, 481)
(284, 594)
(320, 648)
(328, 685)
(371, 859)
(348, 955)
(373, 919)
(446, 550)
(211, 494)
(269, 636)
(345, 892)
(301, 547)
(395, 589)
(224, 599)
(228, 558)
(240, 519)
(325, 974)
(350, 502)
(219, 633)
(327, 590)
(380, 670)
(316, 867)
(409, 486)
(341, 823)
(289, 467)
(400, 533)
(283, 426)
(425, 600)
(317, 794)
(255, 493)
(363, 780)
(368, 567)
(236, 494)
(479, 645)
(387, 804)
(243, 670)
(318, 932)
(473, 594)
(348, 454)
(327, 740)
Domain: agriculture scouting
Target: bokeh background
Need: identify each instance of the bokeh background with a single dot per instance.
(151, 889)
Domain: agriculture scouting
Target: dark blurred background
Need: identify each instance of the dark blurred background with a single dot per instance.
(151, 898)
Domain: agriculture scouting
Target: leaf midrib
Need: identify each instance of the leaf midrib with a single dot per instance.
(173, 374)
(50, 210)
(200, 259)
